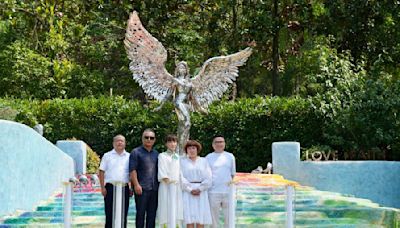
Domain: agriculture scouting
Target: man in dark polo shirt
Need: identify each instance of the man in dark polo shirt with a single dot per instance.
(143, 174)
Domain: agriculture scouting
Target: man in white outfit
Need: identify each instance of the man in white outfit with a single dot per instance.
(114, 168)
(223, 170)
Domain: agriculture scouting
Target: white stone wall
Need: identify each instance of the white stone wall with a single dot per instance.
(378, 181)
(31, 168)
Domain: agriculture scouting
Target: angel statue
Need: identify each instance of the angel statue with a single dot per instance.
(188, 94)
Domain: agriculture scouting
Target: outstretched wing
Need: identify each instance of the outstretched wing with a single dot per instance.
(147, 57)
(215, 76)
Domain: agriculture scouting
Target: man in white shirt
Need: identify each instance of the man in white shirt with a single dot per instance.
(114, 167)
(223, 170)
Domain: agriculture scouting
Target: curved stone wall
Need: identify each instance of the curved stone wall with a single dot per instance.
(31, 168)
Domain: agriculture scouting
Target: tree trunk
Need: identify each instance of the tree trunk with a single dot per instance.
(275, 51)
(235, 45)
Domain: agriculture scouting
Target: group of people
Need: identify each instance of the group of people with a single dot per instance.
(188, 189)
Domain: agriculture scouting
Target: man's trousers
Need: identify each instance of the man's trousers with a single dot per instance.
(109, 207)
(219, 201)
(146, 208)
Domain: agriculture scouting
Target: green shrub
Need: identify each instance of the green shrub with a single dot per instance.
(250, 126)
(92, 160)
(7, 113)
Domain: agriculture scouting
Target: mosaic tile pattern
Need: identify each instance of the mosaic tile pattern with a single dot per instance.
(260, 203)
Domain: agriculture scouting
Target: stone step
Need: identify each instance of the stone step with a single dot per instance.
(244, 206)
(271, 194)
(299, 214)
(53, 220)
(334, 210)
(373, 216)
(300, 221)
(272, 225)
(59, 208)
(75, 213)
(240, 203)
(51, 216)
(241, 197)
(98, 221)
(101, 224)
(250, 198)
(37, 225)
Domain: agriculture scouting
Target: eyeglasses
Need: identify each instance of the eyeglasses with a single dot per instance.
(219, 141)
(149, 137)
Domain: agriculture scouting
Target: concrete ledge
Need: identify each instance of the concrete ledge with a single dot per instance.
(378, 181)
(32, 168)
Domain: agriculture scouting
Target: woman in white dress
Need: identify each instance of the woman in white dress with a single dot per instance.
(170, 210)
(195, 180)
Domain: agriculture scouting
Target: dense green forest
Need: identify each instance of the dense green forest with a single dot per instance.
(342, 56)
(74, 48)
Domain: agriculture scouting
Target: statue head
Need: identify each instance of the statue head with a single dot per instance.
(182, 69)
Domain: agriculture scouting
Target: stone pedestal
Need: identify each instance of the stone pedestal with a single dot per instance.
(77, 151)
(286, 159)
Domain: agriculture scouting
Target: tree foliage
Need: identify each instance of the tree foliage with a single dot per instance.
(80, 43)
(341, 56)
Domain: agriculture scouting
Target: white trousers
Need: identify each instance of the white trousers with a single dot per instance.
(219, 201)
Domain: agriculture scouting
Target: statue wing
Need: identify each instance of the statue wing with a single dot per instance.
(215, 76)
(148, 58)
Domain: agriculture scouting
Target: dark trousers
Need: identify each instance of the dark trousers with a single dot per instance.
(146, 206)
(108, 204)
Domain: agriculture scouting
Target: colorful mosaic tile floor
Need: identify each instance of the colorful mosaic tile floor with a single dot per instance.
(260, 203)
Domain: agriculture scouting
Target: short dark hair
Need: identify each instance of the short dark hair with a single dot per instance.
(218, 136)
(193, 143)
(149, 130)
(171, 138)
